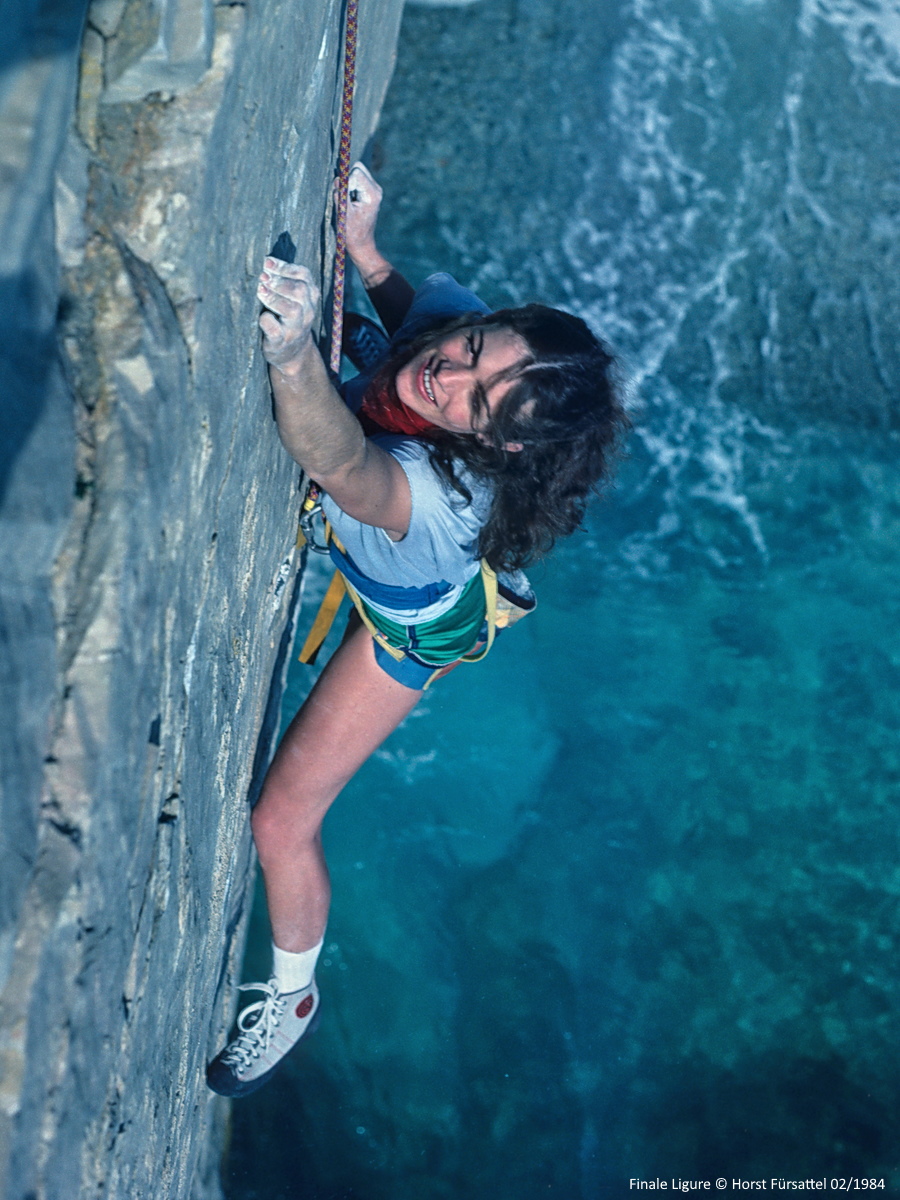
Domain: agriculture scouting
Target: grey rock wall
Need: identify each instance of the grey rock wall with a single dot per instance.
(152, 152)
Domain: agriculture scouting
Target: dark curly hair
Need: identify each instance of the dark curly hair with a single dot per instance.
(565, 410)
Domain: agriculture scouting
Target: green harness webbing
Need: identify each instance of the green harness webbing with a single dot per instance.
(438, 642)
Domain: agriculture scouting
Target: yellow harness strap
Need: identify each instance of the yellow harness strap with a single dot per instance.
(370, 625)
(489, 579)
(324, 618)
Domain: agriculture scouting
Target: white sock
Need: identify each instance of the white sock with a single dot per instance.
(294, 971)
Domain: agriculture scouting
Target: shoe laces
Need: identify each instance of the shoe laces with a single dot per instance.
(256, 1024)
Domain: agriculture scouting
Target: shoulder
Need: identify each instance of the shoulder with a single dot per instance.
(414, 456)
(432, 494)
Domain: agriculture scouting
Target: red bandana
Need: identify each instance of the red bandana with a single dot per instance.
(389, 414)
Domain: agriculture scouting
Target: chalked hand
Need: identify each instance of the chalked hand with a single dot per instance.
(364, 201)
(290, 298)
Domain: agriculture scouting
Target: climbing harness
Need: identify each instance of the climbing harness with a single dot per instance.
(504, 605)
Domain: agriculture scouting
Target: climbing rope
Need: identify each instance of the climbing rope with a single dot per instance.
(311, 505)
(337, 310)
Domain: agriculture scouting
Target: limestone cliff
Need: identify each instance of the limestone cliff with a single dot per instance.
(153, 151)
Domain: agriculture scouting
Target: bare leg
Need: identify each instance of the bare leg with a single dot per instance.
(348, 714)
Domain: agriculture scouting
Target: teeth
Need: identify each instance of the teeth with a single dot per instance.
(426, 379)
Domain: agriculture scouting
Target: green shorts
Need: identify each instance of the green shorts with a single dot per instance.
(431, 646)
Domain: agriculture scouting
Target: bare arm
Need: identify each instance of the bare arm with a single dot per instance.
(389, 292)
(363, 203)
(316, 427)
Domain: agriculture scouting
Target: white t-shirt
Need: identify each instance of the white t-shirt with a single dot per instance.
(440, 547)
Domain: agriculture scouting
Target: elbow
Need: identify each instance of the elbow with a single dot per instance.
(292, 445)
(294, 449)
(338, 473)
(338, 478)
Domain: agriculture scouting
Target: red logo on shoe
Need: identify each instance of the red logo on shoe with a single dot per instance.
(304, 1008)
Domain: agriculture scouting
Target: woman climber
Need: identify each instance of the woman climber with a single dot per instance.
(466, 448)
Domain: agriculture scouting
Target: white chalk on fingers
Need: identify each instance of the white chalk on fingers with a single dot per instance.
(290, 270)
(362, 183)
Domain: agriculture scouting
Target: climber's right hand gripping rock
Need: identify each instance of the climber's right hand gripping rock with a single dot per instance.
(291, 300)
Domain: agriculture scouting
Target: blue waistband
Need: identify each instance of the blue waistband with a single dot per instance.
(386, 594)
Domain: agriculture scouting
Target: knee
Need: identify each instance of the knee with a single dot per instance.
(281, 826)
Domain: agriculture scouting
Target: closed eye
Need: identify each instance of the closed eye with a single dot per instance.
(478, 403)
(474, 344)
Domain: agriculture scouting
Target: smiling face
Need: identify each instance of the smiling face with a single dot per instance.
(460, 381)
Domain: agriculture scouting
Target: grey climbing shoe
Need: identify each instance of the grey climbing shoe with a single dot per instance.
(266, 1031)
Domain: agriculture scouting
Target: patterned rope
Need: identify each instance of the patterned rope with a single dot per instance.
(340, 252)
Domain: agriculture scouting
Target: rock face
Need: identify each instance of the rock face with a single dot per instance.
(153, 153)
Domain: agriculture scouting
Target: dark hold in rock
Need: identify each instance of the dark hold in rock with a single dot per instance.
(284, 248)
(67, 829)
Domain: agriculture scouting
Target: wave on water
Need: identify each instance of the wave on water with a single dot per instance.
(720, 241)
(870, 32)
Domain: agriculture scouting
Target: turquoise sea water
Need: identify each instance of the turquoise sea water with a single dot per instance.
(622, 901)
